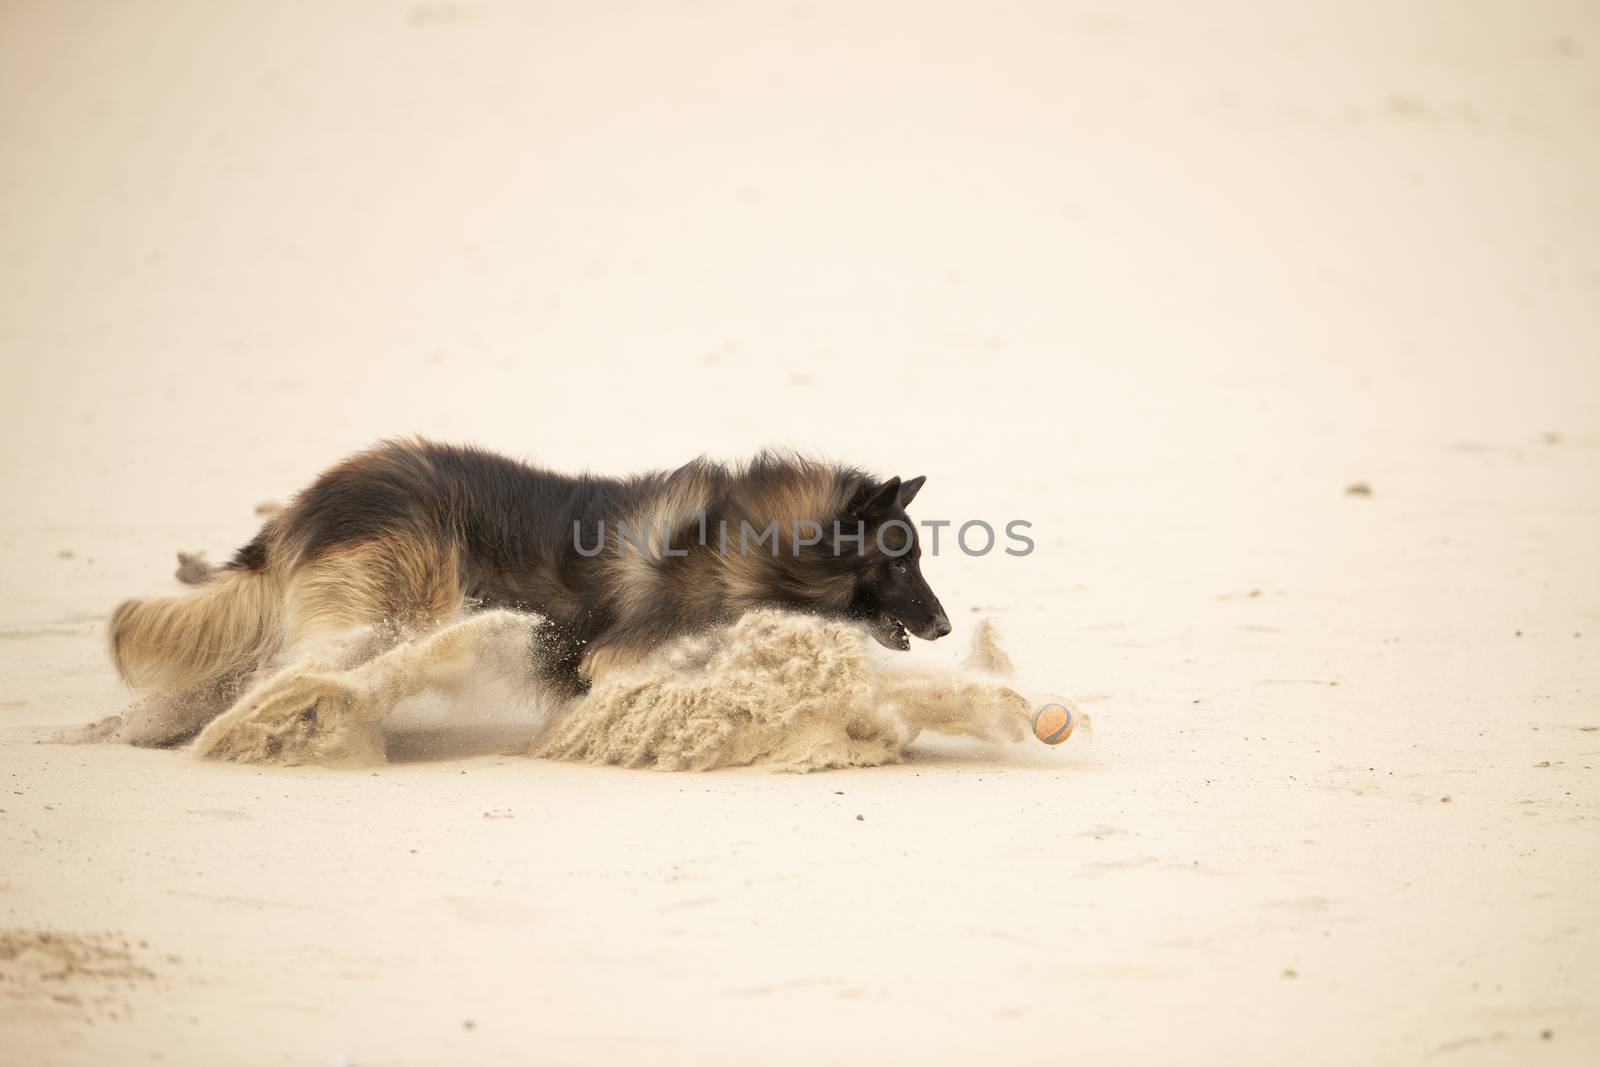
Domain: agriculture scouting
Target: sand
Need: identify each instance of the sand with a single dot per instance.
(785, 691)
(1163, 281)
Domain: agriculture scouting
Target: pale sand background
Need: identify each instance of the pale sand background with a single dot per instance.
(1162, 282)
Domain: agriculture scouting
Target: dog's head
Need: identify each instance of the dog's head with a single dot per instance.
(890, 595)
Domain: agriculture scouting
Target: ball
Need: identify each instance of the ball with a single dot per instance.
(1053, 723)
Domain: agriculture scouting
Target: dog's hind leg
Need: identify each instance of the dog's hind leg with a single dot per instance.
(341, 610)
(309, 713)
(404, 585)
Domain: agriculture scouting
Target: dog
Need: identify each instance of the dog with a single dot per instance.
(410, 537)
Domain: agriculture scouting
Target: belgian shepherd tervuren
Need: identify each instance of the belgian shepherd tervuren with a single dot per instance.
(411, 536)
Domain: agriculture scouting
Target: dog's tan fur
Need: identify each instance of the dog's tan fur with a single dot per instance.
(225, 628)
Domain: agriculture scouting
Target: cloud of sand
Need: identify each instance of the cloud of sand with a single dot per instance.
(792, 691)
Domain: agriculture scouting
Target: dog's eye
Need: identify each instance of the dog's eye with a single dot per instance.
(899, 564)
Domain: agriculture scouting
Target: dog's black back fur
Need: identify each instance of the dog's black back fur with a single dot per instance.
(514, 533)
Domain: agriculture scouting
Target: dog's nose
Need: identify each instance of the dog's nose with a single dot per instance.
(941, 627)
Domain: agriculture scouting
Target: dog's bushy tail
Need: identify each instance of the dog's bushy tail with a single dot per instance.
(225, 627)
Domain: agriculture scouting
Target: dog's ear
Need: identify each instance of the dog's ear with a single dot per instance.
(881, 498)
(909, 490)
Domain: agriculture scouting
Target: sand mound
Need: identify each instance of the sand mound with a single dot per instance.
(794, 691)
(31, 960)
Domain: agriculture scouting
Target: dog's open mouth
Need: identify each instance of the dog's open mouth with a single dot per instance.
(890, 632)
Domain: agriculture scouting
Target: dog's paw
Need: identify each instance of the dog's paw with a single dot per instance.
(312, 720)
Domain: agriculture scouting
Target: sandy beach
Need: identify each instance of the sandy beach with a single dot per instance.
(1281, 328)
